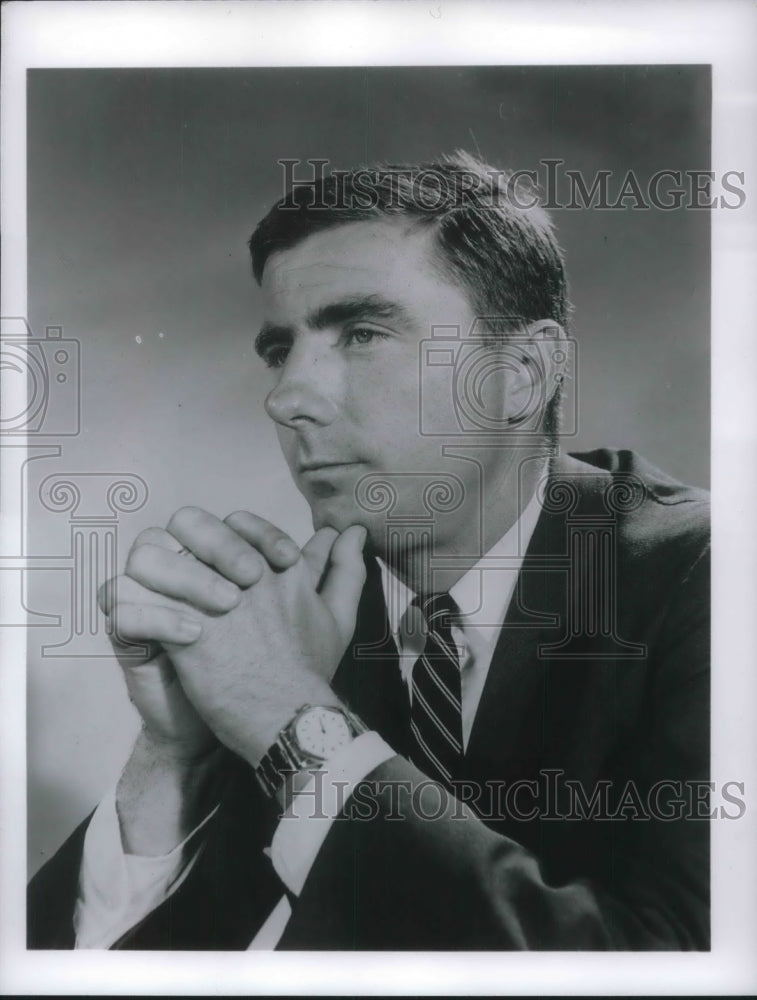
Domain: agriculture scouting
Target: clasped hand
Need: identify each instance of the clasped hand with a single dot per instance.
(241, 627)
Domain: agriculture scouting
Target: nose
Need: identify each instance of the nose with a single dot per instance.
(307, 391)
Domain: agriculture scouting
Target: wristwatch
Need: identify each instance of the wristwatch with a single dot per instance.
(314, 734)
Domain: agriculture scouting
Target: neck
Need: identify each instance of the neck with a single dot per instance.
(428, 566)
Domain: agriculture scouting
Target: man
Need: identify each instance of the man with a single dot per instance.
(467, 714)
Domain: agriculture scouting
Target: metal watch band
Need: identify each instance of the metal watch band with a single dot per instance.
(284, 757)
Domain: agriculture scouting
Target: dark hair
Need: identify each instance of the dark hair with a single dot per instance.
(492, 236)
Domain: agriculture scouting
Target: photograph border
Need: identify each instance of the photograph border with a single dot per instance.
(309, 32)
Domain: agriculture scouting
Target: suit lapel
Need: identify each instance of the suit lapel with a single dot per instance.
(506, 724)
(509, 733)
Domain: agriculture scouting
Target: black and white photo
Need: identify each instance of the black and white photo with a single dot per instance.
(364, 444)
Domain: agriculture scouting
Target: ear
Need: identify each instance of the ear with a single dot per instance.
(539, 361)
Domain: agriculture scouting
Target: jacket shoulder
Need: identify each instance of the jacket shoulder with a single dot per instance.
(654, 511)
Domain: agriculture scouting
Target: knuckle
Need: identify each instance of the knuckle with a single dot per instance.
(104, 592)
(223, 594)
(149, 536)
(246, 561)
(271, 534)
(124, 590)
(111, 592)
(132, 621)
(185, 518)
(275, 542)
(138, 560)
(238, 519)
(122, 619)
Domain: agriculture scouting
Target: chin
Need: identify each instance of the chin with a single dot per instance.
(341, 516)
(335, 514)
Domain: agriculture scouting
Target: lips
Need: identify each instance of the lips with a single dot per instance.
(324, 480)
(314, 468)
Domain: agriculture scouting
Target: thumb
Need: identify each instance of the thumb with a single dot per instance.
(167, 713)
(316, 551)
(344, 580)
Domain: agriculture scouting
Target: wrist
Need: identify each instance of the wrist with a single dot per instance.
(182, 754)
(276, 715)
(313, 735)
(163, 794)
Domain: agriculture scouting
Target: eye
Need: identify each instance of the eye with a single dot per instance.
(275, 356)
(362, 335)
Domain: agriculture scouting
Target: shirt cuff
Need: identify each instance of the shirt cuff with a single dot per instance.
(118, 890)
(305, 824)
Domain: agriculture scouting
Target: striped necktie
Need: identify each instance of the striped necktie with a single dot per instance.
(436, 713)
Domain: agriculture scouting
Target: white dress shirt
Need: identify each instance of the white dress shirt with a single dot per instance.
(117, 890)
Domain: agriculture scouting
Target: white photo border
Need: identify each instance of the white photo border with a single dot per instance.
(241, 33)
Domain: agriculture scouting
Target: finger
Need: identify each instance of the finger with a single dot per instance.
(167, 712)
(157, 536)
(316, 552)
(277, 547)
(217, 544)
(173, 575)
(130, 653)
(140, 622)
(158, 673)
(124, 590)
(344, 580)
(129, 591)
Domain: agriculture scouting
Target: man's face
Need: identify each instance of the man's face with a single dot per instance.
(346, 311)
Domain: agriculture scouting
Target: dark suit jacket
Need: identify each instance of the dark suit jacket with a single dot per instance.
(600, 678)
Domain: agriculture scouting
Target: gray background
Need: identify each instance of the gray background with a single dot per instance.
(143, 186)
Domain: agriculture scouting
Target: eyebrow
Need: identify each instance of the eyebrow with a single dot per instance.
(346, 310)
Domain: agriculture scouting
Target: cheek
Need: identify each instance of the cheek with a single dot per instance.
(286, 439)
(288, 444)
(385, 400)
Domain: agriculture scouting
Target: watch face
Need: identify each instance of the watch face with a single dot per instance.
(322, 731)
